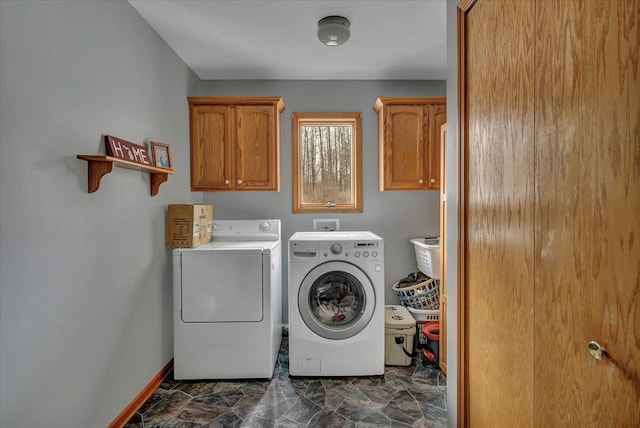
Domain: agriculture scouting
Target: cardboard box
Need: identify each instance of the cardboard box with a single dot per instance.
(189, 226)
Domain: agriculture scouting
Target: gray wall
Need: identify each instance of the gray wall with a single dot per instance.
(395, 216)
(85, 284)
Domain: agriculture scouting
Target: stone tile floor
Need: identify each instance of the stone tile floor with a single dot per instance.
(412, 396)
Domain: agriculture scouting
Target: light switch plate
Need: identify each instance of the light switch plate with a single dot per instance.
(326, 224)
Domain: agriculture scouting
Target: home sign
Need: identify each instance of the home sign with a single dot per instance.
(121, 149)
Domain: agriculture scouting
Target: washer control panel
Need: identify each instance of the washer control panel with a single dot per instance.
(359, 247)
(355, 250)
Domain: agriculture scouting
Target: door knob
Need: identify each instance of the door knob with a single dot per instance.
(596, 350)
(226, 182)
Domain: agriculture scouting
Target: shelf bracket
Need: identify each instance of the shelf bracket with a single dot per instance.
(97, 170)
(157, 178)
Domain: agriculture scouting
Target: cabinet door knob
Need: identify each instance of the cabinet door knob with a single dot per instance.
(596, 350)
(433, 180)
(421, 181)
(226, 182)
(239, 181)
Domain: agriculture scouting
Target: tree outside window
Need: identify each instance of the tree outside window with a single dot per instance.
(327, 159)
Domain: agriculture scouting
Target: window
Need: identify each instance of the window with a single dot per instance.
(327, 163)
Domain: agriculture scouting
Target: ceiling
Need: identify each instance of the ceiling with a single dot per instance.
(276, 39)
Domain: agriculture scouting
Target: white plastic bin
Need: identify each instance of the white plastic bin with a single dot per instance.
(428, 256)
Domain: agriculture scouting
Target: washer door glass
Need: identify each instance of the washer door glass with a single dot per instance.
(336, 300)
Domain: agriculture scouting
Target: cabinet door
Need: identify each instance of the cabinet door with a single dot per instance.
(403, 151)
(210, 147)
(256, 156)
(437, 116)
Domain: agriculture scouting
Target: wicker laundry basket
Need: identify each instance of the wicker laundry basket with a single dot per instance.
(424, 295)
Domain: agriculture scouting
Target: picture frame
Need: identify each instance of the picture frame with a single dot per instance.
(161, 155)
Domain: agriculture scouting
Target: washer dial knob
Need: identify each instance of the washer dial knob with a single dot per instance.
(336, 248)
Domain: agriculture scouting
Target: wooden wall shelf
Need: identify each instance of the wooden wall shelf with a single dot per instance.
(101, 165)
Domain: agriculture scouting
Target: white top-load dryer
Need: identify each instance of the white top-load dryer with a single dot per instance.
(228, 303)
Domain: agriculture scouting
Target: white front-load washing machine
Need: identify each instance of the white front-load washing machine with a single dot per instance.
(227, 299)
(336, 304)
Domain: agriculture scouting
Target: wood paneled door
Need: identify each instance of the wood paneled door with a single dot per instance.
(550, 213)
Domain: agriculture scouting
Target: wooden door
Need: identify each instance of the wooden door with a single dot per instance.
(211, 152)
(497, 201)
(443, 251)
(550, 200)
(587, 245)
(256, 154)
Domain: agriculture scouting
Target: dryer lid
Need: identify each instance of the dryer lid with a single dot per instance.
(267, 247)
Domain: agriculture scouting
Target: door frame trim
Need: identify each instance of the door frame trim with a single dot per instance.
(464, 6)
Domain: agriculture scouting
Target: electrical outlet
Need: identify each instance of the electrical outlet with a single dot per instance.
(326, 224)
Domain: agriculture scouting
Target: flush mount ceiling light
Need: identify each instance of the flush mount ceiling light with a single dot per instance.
(334, 30)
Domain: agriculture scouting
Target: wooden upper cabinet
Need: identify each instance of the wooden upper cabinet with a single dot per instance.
(437, 118)
(235, 143)
(210, 147)
(409, 142)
